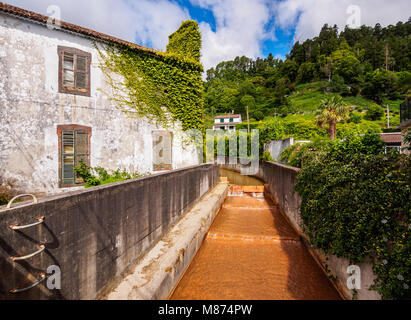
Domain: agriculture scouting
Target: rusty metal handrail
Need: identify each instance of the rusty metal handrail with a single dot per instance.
(17, 290)
(40, 220)
(42, 248)
(22, 195)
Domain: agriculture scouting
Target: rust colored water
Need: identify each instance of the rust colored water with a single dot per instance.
(238, 179)
(252, 253)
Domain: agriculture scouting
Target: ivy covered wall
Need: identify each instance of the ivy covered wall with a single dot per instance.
(163, 87)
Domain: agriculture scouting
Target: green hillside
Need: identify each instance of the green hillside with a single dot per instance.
(368, 67)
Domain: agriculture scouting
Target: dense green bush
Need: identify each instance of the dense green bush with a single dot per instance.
(355, 117)
(374, 113)
(258, 115)
(297, 154)
(356, 203)
(349, 129)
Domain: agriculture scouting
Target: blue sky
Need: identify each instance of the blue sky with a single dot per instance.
(278, 47)
(229, 28)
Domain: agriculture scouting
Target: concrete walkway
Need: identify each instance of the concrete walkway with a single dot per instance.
(251, 252)
(155, 275)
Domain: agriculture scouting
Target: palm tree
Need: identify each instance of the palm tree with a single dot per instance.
(331, 110)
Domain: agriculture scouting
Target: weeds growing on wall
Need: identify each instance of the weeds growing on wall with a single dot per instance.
(163, 87)
(97, 176)
(356, 203)
(7, 191)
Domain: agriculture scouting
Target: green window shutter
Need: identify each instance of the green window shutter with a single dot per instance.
(68, 158)
(81, 150)
(221, 120)
(231, 120)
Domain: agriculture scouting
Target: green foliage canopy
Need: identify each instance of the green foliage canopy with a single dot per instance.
(356, 203)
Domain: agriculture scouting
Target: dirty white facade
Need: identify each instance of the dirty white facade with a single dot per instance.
(34, 112)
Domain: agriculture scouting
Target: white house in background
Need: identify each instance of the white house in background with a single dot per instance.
(227, 122)
(52, 113)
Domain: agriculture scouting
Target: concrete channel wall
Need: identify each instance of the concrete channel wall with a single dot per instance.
(94, 235)
(280, 181)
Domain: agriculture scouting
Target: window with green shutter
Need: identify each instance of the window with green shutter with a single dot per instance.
(74, 147)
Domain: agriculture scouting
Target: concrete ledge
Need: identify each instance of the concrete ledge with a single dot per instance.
(157, 273)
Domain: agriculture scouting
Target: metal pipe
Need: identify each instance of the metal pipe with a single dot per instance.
(19, 196)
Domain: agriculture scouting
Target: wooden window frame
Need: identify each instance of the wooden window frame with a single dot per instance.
(74, 127)
(76, 52)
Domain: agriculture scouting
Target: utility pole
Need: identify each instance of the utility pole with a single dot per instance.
(386, 56)
(330, 66)
(248, 119)
(388, 116)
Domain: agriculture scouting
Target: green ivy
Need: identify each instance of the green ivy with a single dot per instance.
(356, 203)
(186, 40)
(161, 86)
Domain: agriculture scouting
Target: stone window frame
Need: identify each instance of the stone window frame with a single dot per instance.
(74, 127)
(77, 52)
(171, 135)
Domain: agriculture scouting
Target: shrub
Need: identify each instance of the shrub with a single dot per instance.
(7, 191)
(258, 115)
(374, 113)
(355, 118)
(356, 204)
(267, 157)
(91, 180)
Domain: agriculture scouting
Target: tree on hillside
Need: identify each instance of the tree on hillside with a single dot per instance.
(331, 110)
(374, 113)
(346, 63)
(380, 84)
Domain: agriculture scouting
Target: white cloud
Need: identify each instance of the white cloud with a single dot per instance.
(308, 16)
(240, 29)
(147, 22)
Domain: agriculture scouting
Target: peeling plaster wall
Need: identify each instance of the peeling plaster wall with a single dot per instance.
(31, 108)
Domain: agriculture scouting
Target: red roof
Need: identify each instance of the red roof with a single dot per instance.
(36, 17)
(394, 137)
(229, 116)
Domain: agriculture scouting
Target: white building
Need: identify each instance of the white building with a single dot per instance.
(227, 122)
(52, 113)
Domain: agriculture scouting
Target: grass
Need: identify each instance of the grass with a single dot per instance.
(361, 102)
(307, 97)
(393, 104)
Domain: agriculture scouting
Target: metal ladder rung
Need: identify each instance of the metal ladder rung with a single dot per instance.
(42, 248)
(40, 220)
(17, 290)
